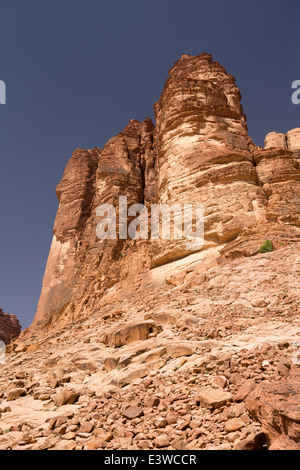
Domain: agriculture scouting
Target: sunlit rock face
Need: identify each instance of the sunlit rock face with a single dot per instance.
(279, 173)
(275, 139)
(204, 151)
(198, 151)
(289, 141)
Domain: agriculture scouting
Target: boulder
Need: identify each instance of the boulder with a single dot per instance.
(276, 406)
(129, 333)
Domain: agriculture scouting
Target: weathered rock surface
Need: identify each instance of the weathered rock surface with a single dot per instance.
(126, 334)
(277, 407)
(80, 266)
(10, 327)
(199, 151)
(213, 398)
(143, 344)
(204, 151)
(178, 388)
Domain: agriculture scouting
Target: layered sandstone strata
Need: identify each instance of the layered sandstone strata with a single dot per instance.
(289, 141)
(10, 327)
(204, 151)
(279, 172)
(199, 151)
(81, 266)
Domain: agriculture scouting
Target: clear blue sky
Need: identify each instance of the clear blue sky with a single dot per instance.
(77, 71)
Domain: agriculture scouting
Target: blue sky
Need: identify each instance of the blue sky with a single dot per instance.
(77, 71)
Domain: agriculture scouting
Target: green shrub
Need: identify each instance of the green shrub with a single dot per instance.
(266, 247)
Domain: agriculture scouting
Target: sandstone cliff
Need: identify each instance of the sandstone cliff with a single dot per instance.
(144, 344)
(198, 151)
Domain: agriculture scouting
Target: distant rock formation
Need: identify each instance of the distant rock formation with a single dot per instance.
(198, 151)
(10, 327)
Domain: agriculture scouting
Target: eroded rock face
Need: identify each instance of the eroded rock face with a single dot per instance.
(127, 334)
(289, 141)
(279, 174)
(204, 152)
(276, 407)
(201, 132)
(199, 151)
(81, 266)
(10, 327)
(276, 139)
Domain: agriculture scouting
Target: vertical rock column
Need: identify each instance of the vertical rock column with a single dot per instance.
(204, 152)
(279, 173)
(81, 267)
(75, 194)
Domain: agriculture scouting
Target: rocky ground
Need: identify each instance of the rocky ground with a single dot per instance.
(187, 365)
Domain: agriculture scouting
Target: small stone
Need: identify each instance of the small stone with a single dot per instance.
(15, 393)
(171, 419)
(65, 397)
(20, 374)
(234, 424)
(284, 366)
(180, 444)
(259, 303)
(151, 401)
(220, 381)
(183, 425)
(235, 411)
(160, 423)
(245, 390)
(233, 436)
(87, 428)
(212, 398)
(65, 445)
(162, 441)
(221, 447)
(133, 412)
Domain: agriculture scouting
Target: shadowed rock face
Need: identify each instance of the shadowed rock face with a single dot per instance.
(80, 266)
(10, 327)
(198, 152)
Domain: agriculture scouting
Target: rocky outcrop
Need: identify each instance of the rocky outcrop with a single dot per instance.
(81, 266)
(289, 141)
(144, 344)
(126, 334)
(198, 151)
(277, 407)
(10, 327)
(278, 171)
(204, 151)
